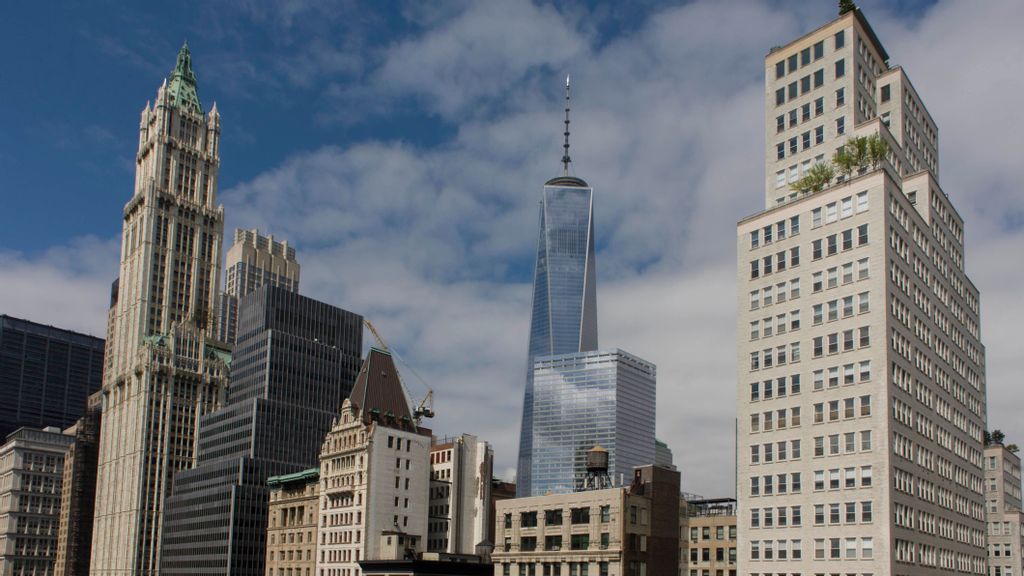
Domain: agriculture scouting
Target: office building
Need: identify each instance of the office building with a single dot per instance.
(461, 469)
(293, 514)
(31, 470)
(708, 546)
(861, 374)
(164, 368)
(1005, 525)
(607, 532)
(78, 492)
(374, 474)
(252, 261)
(294, 363)
(604, 397)
(46, 374)
(564, 314)
(663, 455)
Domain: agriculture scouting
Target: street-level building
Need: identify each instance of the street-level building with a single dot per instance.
(78, 492)
(622, 531)
(461, 469)
(708, 538)
(374, 473)
(292, 527)
(1005, 523)
(31, 472)
(861, 374)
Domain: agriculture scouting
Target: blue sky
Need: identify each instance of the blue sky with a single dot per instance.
(402, 146)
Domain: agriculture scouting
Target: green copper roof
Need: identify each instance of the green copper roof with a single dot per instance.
(304, 476)
(182, 84)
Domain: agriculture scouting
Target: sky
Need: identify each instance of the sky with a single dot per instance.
(402, 148)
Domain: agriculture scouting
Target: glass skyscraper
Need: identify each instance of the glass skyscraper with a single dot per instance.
(584, 399)
(564, 293)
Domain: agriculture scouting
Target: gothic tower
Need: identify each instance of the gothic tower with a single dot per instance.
(163, 370)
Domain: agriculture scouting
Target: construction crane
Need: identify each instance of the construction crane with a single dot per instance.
(425, 409)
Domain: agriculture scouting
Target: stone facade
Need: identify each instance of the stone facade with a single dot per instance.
(708, 539)
(78, 492)
(31, 473)
(861, 375)
(164, 368)
(292, 527)
(1003, 511)
(460, 494)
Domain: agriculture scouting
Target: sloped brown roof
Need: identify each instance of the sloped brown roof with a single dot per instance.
(378, 392)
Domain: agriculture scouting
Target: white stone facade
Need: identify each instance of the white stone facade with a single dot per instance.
(460, 493)
(1002, 511)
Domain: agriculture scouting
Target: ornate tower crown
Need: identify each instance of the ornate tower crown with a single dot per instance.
(182, 85)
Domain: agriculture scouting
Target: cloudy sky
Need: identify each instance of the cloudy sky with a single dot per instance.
(403, 148)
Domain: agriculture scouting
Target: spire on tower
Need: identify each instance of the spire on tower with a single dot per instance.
(183, 90)
(565, 157)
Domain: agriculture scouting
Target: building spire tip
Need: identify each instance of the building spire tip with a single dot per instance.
(565, 156)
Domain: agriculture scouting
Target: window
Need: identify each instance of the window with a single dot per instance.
(840, 39)
(865, 476)
(833, 277)
(862, 269)
(867, 548)
(865, 511)
(816, 249)
(848, 276)
(805, 140)
(819, 106)
(833, 244)
(819, 379)
(819, 509)
(755, 486)
(794, 478)
(805, 112)
(862, 202)
(792, 91)
(819, 446)
(793, 148)
(780, 178)
(850, 477)
(865, 370)
(840, 125)
(840, 98)
(865, 440)
(819, 134)
(817, 347)
(780, 68)
(780, 96)
(833, 482)
(767, 263)
(780, 123)
(847, 239)
(886, 93)
(865, 405)
(847, 340)
(840, 68)
(818, 315)
(780, 150)
(794, 288)
(755, 269)
(580, 515)
(792, 117)
(864, 302)
(580, 542)
(755, 299)
(815, 217)
(862, 234)
(819, 78)
(819, 50)
(816, 282)
(794, 225)
(833, 545)
(805, 84)
(865, 336)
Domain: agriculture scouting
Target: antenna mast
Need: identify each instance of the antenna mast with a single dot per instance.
(565, 157)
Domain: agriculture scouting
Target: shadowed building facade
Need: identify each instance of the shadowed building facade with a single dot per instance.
(295, 362)
(46, 374)
(163, 367)
(564, 315)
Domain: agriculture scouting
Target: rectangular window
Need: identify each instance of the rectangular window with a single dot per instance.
(780, 96)
(817, 347)
(780, 123)
(819, 134)
(862, 234)
(819, 50)
(833, 343)
(819, 78)
(755, 269)
(794, 288)
(840, 39)
(794, 384)
(863, 271)
(805, 56)
(780, 177)
(864, 302)
(840, 68)
(806, 140)
(886, 93)
(815, 249)
(792, 63)
(840, 126)
(865, 370)
(819, 379)
(780, 69)
(840, 97)
(792, 117)
(847, 239)
(862, 202)
(794, 225)
(805, 84)
(792, 90)
(805, 112)
(819, 106)
(793, 148)
(833, 245)
(864, 336)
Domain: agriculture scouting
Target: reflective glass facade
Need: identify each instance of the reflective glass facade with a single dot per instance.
(564, 316)
(580, 400)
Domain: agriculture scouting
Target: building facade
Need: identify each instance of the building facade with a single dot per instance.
(374, 473)
(46, 374)
(293, 515)
(294, 363)
(1005, 524)
(31, 472)
(604, 397)
(708, 539)
(461, 469)
(564, 312)
(163, 368)
(609, 532)
(861, 375)
(78, 492)
(252, 261)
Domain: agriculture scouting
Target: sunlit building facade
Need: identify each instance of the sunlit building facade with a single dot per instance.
(581, 400)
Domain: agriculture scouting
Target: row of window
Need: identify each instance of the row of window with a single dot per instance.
(783, 385)
(784, 482)
(847, 441)
(818, 52)
(821, 247)
(780, 324)
(773, 451)
(851, 339)
(849, 409)
(829, 311)
(780, 228)
(848, 480)
(775, 357)
(771, 294)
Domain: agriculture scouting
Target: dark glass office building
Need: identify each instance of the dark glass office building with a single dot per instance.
(46, 374)
(564, 317)
(294, 363)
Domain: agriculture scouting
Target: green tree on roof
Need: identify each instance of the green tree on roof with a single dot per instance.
(846, 6)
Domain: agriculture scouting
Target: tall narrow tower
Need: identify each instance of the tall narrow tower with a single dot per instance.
(564, 286)
(162, 372)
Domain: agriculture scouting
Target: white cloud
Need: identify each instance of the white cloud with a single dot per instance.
(432, 244)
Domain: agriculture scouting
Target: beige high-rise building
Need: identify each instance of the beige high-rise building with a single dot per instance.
(1002, 511)
(374, 473)
(292, 520)
(31, 470)
(163, 368)
(861, 375)
(707, 542)
(252, 261)
(461, 469)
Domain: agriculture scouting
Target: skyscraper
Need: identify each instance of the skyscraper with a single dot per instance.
(604, 397)
(164, 369)
(252, 261)
(295, 362)
(1005, 522)
(78, 492)
(564, 317)
(46, 374)
(861, 374)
